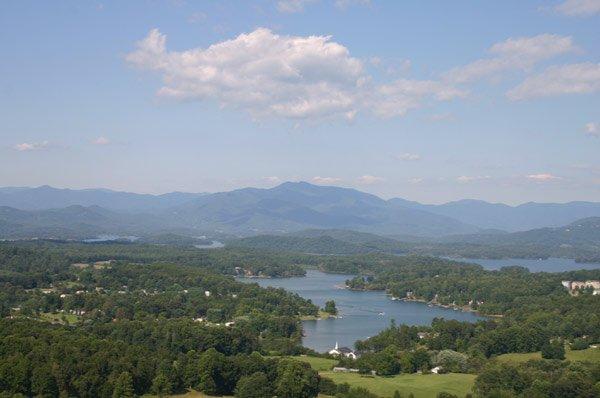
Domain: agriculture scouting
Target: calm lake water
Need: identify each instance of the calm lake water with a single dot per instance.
(364, 314)
(548, 265)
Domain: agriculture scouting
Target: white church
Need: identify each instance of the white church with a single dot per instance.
(343, 351)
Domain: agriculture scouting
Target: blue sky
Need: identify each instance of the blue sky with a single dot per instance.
(431, 101)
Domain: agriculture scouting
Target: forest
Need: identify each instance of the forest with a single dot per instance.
(118, 328)
(124, 319)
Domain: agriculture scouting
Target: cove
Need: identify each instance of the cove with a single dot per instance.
(363, 314)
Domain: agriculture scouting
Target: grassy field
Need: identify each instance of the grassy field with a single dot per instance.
(422, 386)
(58, 318)
(196, 394)
(591, 354)
(318, 364)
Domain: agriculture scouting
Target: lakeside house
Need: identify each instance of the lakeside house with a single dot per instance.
(343, 351)
(575, 286)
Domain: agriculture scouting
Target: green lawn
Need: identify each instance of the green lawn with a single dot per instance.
(591, 354)
(422, 386)
(58, 318)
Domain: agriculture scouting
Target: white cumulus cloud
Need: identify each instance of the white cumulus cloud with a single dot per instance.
(101, 141)
(265, 73)
(582, 78)
(543, 177)
(272, 179)
(466, 179)
(369, 179)
(513, 54)
(31, 146)
(409, 156)
(325, 180)
(293, 77)
(400, 96)
(579, 8)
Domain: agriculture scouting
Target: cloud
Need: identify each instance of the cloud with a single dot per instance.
(375, 61)
(583, 78)
(441, 117)
(579, 8)
(513, 54)
(415, 180)
(369, 179)
(272, 179)
(197, 17)
(592, 129)
(291, 77)
(25, 146)
(467, 179)
(543, 177)
(262, 72)
(409, 156)
(400, 96)
(325, 180)
(343, 4)
(101, 141)
(292, 6)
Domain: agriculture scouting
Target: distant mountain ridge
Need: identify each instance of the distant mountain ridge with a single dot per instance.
(580, 239)
(73, 222)
(46, 197)
(500, 216)
(298, 206)
(287, 208)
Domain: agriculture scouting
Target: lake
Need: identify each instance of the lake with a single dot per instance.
(363, 314)
(547, 265)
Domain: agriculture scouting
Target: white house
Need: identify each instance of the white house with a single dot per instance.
(436, 370)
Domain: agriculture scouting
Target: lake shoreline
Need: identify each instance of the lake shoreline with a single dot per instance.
(360, 313)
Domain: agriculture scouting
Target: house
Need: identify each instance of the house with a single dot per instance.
(422, 335)
(436, 370)
(574, 286)
(207, 293)
(343, 351)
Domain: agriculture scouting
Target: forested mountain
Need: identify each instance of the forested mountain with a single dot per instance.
(579, 240)
(581, 232)
(287, 208)
(73, 222)
(45, 197)
(509, 218)
(296, 206)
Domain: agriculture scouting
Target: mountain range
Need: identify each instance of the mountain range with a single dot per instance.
(287, 208)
